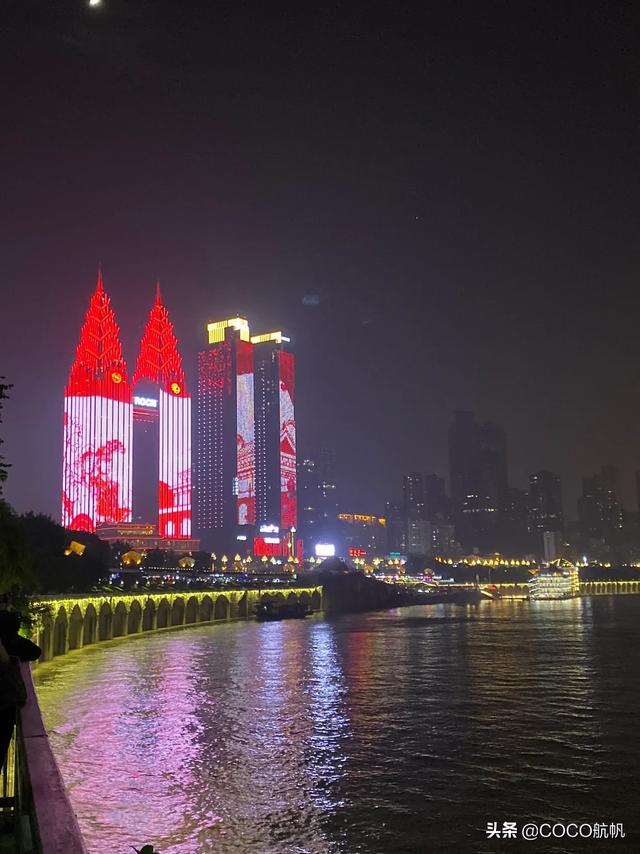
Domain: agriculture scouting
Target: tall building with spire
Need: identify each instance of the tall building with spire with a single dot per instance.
(161, 430)
(98, 420)
(127, 444)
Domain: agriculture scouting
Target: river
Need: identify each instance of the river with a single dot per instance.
(405, 730)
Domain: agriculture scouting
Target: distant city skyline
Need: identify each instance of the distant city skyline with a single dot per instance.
(356, 489)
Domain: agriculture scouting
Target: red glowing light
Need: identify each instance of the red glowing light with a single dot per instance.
(99, 368)
(245, 437)
(97, 424)
(160, 362)
(159, 359)
(288, 486)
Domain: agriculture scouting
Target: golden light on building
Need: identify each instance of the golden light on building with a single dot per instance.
(216, 330)
(363, 519)
(275, 337)
(131, 558)
(186, 562)
(74, 548)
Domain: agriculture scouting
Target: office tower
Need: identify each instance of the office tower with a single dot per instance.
(396, 528)
(309, 504)
(361, 535)
(224, 472)
(98, 414)
(545, 502)
(161, 430)
(600, 511)
(246, 435)
(413, 496)
(479, 480)
(275, 431)
(435, 499)
(513, 529)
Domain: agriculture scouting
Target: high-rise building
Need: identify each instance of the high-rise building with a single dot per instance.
(161, 430)
(601, 513)
(413, 497)
(396, 528)
(435, 499)
(275, 431)
(98, 421)
(246, 440)
(479, 480)
(224, 470)
(361, 535)
(419, 537)
(545, 502)
(310, 516)
(127, 454)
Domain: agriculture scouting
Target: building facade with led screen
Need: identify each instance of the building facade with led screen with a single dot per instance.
(245, 464)
(161, 430)
(276, 469)
(127, 445)
(225, 452)
(98, 420)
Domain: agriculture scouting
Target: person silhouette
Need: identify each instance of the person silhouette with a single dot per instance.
(13, 649)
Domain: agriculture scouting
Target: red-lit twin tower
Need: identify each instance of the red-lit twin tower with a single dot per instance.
(127, 444)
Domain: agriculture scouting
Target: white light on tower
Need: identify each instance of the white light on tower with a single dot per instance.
(95, 2)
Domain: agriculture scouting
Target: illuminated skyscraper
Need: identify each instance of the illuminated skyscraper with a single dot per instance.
(246, 435)
(98, 413)
(127, 455)
(276, 469)
(162, 430)
(225, 453)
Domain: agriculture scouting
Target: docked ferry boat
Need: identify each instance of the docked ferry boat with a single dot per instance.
(558, 580)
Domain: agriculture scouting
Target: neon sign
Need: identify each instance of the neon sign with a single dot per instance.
(145, 401)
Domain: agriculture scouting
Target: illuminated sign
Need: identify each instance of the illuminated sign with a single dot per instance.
(269, 529)
(145, 401)
(325, 550)
(357, 552)
(241, 537)
(288, 477)
(358, 517)
(174, 487)
(268, 547)
(245, 436)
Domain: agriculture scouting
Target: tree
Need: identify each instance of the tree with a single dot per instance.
(16, 564)
(55, 571)
(4, 465)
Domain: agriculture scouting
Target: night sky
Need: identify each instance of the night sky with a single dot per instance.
(458, 183)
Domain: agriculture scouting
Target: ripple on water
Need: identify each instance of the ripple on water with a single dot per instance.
(399, 731)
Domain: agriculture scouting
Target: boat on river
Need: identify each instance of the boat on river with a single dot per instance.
(271, 611)
(456, 596)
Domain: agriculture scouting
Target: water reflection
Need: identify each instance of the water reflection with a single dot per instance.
(371, 733)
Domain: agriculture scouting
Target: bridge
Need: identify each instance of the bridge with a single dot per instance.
(74, 622)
